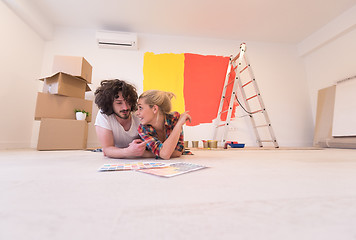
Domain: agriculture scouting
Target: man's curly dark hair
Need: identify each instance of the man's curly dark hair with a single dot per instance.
(108, 92)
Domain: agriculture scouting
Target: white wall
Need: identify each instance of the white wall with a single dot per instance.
(329, 55)
(21, 51)
(278, 70)
(25, 57)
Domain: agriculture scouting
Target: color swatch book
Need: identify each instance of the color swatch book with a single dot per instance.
(131, 166)
(173, 169)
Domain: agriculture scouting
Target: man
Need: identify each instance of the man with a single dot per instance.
(116, 126)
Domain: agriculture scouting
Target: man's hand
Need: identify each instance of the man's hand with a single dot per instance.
(136, 148)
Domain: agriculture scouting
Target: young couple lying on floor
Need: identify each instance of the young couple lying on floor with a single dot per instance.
(129, 126)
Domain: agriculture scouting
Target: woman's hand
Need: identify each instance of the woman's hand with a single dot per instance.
(169, 145)
(183, 118)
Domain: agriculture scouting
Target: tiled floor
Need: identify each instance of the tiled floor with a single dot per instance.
(244, 194)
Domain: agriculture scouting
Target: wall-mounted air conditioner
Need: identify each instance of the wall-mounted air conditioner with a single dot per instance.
(109, 39)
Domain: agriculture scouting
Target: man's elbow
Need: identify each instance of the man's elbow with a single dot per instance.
(104, 150)
(107, 152)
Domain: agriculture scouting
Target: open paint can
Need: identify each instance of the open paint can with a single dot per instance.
(205, 144)
(213, 143)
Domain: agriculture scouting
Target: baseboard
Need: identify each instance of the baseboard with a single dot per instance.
(348, 142)
(14, 145)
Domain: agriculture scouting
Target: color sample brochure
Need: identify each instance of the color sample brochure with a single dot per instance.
(131, 166)
(173, 169)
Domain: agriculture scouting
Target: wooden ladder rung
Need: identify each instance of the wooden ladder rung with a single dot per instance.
(257, 111)
(244, 69)
(251, 97)
(247, 83)
(237, 56)
(266, 125)
(220, 125)
(229, 83)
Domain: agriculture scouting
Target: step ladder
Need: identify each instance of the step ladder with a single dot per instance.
(238, 66)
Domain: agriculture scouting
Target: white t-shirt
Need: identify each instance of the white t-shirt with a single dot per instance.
(122, 138)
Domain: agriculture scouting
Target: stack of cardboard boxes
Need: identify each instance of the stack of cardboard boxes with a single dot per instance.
(62, 94)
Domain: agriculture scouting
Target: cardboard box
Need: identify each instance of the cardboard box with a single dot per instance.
(76, 66)
(55, 106)
(324, 122)
(62, 134)
(66, 85)
(324, 114)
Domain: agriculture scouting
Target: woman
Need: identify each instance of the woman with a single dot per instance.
(161, 130)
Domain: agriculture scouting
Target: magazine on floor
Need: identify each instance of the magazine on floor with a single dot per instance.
(173, 169)
(130, 166)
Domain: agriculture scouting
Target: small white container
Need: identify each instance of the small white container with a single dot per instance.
(80, 116)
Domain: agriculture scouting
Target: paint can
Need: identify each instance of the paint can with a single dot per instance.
(205, 143)
(213, 143)
(186, 144)
(195, 144)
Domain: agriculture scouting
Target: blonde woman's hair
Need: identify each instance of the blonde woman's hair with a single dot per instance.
(160, 98)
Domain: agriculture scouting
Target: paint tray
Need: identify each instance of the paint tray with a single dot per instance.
(236, 145)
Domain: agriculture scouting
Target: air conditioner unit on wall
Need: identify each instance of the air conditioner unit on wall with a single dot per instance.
(109, 39)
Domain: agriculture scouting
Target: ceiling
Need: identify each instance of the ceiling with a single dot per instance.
(288, 21)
